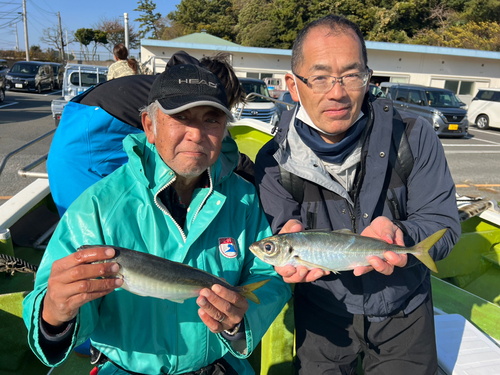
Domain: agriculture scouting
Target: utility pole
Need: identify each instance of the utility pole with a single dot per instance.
(17, 40)
(125, 20)
(26, 31)
(61, 35)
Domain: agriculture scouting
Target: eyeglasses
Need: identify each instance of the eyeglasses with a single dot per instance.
(322, 84)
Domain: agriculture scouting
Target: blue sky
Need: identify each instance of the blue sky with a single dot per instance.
(75, 14)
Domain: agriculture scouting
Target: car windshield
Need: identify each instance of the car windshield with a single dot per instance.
(25, 68)
(442, 99)
(258, 88)
(88, 79)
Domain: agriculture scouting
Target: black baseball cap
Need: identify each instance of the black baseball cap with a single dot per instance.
(186, 86)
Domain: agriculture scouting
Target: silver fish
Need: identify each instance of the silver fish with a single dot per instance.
(335, 251)
(152, 276)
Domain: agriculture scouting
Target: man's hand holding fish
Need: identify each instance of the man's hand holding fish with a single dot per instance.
(384, 229)
(381, 228)
(220, 308)
(74, 281)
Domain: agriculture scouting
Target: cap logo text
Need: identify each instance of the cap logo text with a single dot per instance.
(194, 81)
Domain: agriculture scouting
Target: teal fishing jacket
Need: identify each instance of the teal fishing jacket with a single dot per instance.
(149, 335)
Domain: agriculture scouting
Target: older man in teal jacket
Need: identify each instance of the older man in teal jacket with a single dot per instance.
(177, 198)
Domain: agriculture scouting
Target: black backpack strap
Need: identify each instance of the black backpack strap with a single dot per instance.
(293, 184)
(290, 181)
(400, 133)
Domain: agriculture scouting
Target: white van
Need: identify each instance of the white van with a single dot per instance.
(484, 110)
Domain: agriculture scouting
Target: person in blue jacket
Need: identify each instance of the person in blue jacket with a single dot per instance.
(339, 145)
(176, 197)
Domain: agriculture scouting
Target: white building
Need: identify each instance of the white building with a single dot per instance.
(463, 71)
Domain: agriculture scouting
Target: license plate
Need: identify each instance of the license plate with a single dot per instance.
(453, 127)
(19, 85)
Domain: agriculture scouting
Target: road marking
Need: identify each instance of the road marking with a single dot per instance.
(6, 105)
(458, 145)
(54, 92)
(487, 132)
(471, 152)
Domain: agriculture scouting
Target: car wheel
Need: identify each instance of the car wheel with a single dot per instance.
(483, 122)
(2, 96)
(39, 89)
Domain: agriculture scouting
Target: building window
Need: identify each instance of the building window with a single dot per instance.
(253, 75)
(466, 88)
(460, 87)
(266, 75)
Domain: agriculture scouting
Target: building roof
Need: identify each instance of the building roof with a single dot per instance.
(209, 42)
(202, 38)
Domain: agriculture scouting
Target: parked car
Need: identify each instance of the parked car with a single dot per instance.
(440, 106)
(276, 86)
(257, 107)
(376, 91)
(4, 68)
(287, 98)
(384, 86)
(30, 76)
(484, 110)
(58, 74)
(77, 79)
(2, 89)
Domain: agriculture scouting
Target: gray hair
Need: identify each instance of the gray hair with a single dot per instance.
(152, 110)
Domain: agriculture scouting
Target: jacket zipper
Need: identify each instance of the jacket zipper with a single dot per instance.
(162, 207)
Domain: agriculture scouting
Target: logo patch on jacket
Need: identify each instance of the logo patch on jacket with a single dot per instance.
(227, 247)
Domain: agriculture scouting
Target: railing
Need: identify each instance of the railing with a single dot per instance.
(254, 94)
(24, 171)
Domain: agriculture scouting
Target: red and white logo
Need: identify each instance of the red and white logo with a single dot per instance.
(227, 247)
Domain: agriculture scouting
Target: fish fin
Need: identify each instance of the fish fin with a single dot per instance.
(246, 290)
(175, 300)
(343, 230)
(312, 265)
(422, 249)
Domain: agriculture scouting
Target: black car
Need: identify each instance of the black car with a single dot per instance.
(2, 89)
(439, 106)
(30, 76)
(4, 68)
(58, 74)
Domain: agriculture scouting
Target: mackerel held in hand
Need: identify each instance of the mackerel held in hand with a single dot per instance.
(335, 251)
(152, 276)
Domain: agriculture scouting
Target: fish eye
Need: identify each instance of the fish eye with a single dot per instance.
(269, 247)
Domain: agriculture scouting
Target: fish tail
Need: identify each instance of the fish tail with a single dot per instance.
(422, 249)
(247, 290)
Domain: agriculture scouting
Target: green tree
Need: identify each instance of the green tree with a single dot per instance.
(148, 19)
(254, 26)
(36, 52)
(217, 17)
(482, 35)
(84, 37)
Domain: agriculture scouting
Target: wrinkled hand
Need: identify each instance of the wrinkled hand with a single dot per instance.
(384, 229)
(73, 282)
(218, 304)
(300, 274)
